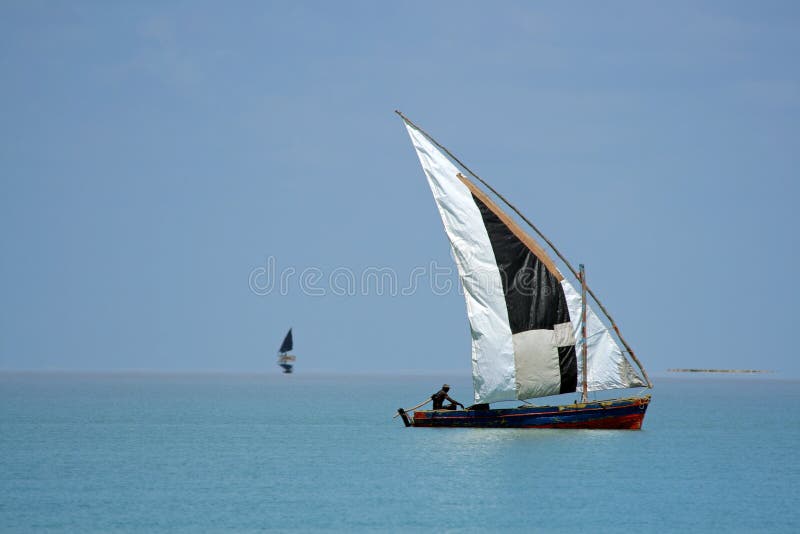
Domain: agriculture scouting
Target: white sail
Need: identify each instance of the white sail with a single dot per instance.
(608, 367)
(524, 316)
(493, 371)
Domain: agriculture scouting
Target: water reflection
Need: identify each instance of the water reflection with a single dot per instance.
(498, 441)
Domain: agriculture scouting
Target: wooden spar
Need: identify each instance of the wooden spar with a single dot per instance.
(584, 348)
(540, 234)
(520, 234)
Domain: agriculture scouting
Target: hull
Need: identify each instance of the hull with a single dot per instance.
(286, 361)
(620, 414)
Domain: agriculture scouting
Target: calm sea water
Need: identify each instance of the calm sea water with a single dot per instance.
(205, 453)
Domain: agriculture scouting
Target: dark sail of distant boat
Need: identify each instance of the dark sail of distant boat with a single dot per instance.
(286, 360)
(533, 333)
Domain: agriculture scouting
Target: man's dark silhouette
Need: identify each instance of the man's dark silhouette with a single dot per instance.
(440, 396)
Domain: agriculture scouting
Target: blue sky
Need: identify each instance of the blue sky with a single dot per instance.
(154, 156)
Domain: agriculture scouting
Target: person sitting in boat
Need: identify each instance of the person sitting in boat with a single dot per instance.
(440, 396)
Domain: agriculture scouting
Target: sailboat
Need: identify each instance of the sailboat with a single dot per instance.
(534, 335)
(286, 360)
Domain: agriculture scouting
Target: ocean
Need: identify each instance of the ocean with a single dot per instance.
(249, 453)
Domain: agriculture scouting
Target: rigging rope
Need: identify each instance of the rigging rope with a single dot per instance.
(414, 408)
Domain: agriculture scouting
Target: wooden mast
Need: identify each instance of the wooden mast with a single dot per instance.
(540, 234)
(584, 396)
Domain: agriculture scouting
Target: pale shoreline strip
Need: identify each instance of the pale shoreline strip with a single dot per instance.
(718, 371)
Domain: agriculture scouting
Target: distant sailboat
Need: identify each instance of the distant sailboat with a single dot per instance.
(533, 333)
(286, 360)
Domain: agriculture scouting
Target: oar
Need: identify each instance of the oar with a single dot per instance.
(426, 401)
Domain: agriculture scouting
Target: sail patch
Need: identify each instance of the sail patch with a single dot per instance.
(536, 361)
(562, 335)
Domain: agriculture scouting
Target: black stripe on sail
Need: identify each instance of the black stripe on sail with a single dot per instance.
(534, 297)
(568, 364)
